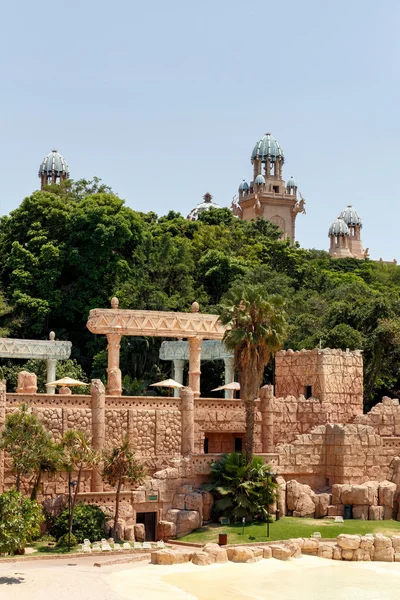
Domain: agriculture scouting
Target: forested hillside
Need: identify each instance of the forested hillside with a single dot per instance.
(71, 247)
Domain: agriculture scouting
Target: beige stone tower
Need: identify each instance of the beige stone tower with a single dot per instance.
(53, 169)
(268, 195)
(345, 235)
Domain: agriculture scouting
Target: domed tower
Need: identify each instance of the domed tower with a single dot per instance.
(268, 195)
(354, 223)
(53, 169)
(205, 205)
(339, 235)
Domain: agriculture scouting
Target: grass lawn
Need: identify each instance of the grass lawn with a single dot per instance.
(290, 527)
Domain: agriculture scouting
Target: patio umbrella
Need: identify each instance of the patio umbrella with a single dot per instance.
(234, 385)
(67, 381)
(228, 386)
(168, 383)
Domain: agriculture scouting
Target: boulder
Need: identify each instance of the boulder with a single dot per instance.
(310, 546)
(208, 501)
(365, 493)
(397, 557)
(219, 554)
(321, 501)
(347, 554)
(163, 557)
(194, 501)
(179, 501)
(293, 491)
(349, 542)
(336, 552)
(295, 547)
(241, 554)
(129, 533)
(387, 491)
(185, 520)
(267, 552)
(202, 558)
(363, 554)
(360, 511)
(396, 543)
(166, 530)
(384, 554)
(367, 544)
(375, 513)
(382, 541)
(55, 506)
(305, 506)
(325, 550)
(299, 499)
(139, 532)
(280, 551)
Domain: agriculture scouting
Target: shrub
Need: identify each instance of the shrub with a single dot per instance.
(62, 542)
(241, 489)
(20, 520)
(88, 523)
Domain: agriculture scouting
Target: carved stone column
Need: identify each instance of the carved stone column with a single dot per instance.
(51, 375)
(114, 384)
(187, 421)
(2, 423)
(194, 364)
(229, 374)
(98, 394)
(267, 418)
(179, 365)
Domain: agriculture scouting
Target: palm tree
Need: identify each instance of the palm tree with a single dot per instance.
(121, 465)
(79, 455)
(256, 326)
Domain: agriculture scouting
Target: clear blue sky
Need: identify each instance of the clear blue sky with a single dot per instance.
(165, 101)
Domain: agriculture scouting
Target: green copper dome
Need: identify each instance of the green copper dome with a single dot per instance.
(338, 227)
(351, 217)
(54, 162)
(267, 147)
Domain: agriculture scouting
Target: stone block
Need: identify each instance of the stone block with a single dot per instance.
(267, 552)
(166, 530)
(384, 555)
(360, 511)
(179, 501)
(325, 550)
(202, 558)
(280, 552)
(129, 533)
(382, 541)
(347, 554)
(396, 543)
(310, 546)
(219, 554)
(375, 513)
(387, 491)
(336, 552)
(397, 557)
(139, 532)
(240, 554)
(194, 501)
(349, 542)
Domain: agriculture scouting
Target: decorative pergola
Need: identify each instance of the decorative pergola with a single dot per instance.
(179, 353)
(115, 322)
(49, 350)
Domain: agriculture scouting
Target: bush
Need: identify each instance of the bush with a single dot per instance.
(88, 523)
(62, 542)
(20, 520)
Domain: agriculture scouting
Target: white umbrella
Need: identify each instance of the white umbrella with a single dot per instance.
(168, 383)
(228, 386)
(67, 381)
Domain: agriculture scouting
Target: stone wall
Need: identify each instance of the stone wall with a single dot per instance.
(333, 376)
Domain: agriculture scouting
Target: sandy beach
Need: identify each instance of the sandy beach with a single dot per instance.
(306, 578)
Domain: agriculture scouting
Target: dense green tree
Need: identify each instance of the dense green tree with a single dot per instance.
(20, 521)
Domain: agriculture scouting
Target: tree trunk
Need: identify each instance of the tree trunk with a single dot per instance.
(18, 481)
(36, 484)
(249, 437)
(116, 515)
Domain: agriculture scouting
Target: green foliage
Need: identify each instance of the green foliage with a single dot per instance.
(67, 540)
(65, 368)
(20, 521)
(241, 489)
(88, 523)
(29, 445)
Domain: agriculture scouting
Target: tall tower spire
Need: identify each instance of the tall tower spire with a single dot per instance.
(268, 195)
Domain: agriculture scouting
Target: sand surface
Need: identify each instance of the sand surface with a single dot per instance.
(308, 578)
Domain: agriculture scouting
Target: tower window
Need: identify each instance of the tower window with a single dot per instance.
(276, 189)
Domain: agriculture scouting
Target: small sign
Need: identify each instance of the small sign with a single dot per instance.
(224, 520)
(152, 498)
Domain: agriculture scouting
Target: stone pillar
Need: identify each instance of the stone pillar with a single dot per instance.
(51, 375)
(187, 421)
(2, 423)
(179, 365)
(195, 364)
(114, 384)
(98, 394)
(267, 418)
(229, 374)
